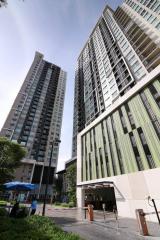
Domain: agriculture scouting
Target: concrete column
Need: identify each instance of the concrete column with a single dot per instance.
(80, 197)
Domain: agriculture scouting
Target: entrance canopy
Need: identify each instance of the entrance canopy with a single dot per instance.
(98, 193)
(102, 184)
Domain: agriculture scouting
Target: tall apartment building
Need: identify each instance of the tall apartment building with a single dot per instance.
(35, 120)
(117, 109)
(122, 49)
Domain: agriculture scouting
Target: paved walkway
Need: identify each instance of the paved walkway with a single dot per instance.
(72, 220)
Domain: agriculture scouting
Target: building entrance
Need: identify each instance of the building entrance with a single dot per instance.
(98, 196)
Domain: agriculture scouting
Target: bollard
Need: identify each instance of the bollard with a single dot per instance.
(142, 222)
(90, 212)
(104, 208)
(85, 210)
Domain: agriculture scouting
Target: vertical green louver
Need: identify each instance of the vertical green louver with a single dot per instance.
(127, 140)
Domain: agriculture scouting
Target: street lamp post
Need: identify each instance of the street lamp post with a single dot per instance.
(48, 175)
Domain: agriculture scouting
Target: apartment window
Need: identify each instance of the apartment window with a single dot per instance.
(95, 150)
(123, 122)
(114, 94)
(131, 59)
(150, 19)
(14, 119)
(135, 65)
(90, 165)
(155, 94)
(143, 12)
(158, 26)
(111, 150)
(146, 15)
(101, 162)
(139, 73)
(153, 117)
(111, 81)
(105, 150)
(22, 143)
(90, 134)
(136, 152)
(157, 9)
(40, 159)
(8, 135)
(155, 21)
(129, 55)
(117, 146)
(146, 148)
(130, 116)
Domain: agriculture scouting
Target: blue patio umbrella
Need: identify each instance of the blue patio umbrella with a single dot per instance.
(20, 186)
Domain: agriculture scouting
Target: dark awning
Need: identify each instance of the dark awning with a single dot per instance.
(102, 184)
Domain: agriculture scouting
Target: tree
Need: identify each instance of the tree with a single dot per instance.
(57, 188)
(71, 178)
(10, 158)
(3, 3)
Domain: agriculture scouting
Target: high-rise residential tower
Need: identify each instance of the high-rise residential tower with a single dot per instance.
(122, 49)
(117, 110)
(35, 121)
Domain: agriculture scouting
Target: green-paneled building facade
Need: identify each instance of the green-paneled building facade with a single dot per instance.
(127, 140)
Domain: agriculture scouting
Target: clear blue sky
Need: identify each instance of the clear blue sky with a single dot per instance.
(56, 28)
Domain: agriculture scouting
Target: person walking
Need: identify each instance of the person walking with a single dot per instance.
(33, 206)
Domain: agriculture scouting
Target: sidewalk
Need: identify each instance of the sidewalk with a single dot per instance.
(72, 220)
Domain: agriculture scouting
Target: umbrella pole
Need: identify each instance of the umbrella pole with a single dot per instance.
(27, 196)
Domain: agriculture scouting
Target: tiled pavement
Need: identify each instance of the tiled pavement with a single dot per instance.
(72, 220)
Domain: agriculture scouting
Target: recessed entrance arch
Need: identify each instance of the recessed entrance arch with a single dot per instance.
(98, 194)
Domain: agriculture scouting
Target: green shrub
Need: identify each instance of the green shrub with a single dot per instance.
(24, 212)
(3, 203)
(32, 228)
(3, 212)
(57, 203)
(71, 204)
(12, 202)
(22, 206)
(64, 204)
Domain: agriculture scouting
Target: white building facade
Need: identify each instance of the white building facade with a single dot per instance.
(122, 49)
(121, 149)
(118, 147)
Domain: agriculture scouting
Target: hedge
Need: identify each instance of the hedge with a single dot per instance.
(32, 228)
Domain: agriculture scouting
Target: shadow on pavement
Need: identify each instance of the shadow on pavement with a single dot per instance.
(64, 220)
